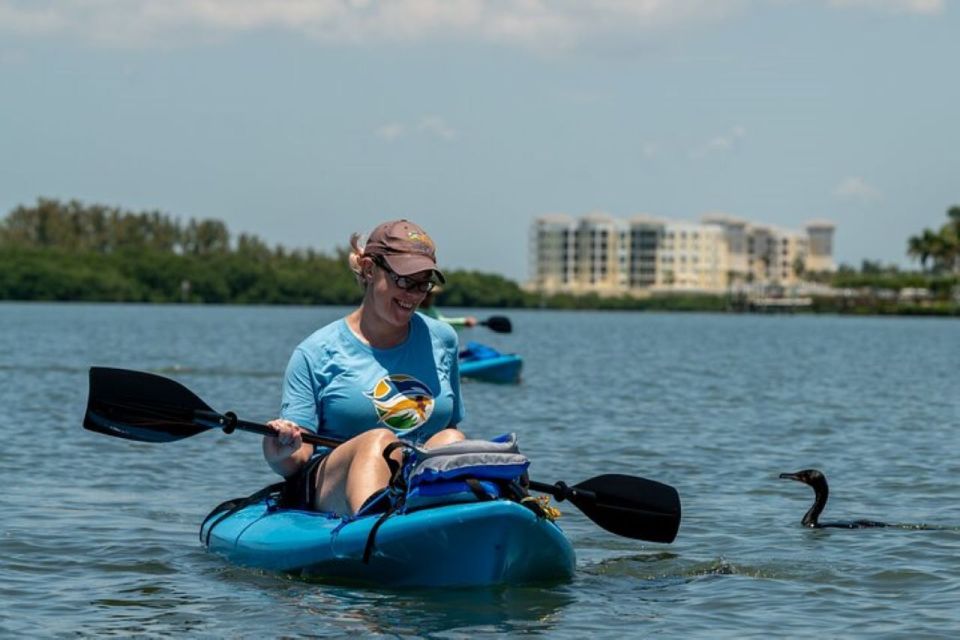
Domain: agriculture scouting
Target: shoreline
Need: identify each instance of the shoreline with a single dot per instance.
(664, 304)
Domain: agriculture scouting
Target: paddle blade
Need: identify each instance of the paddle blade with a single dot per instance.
(500, 324)
(629, 506)
(141, 406)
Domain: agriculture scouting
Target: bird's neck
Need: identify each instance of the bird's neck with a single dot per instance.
(812, 516)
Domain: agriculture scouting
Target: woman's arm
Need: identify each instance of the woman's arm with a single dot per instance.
(286, 452)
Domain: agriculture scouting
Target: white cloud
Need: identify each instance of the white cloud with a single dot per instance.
(537, 24)
(720, 143)
(923, 7)
(856, 189)
(435, 126)
(544, 25)
(432, 126)
(30, 19)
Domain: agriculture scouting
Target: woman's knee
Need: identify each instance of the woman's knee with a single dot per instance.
(376, 439)
(361, 447)
(447, 436)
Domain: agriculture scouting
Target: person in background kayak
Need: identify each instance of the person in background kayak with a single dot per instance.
(429, 308)
(381, 373)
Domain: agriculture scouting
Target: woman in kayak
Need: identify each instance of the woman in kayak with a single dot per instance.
(429, 308)
(381, 373)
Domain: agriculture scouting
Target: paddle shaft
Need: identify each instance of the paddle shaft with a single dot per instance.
(561, 491)
(229, 422)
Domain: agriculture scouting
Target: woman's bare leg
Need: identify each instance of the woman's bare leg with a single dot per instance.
(353, 472)
(447, 436)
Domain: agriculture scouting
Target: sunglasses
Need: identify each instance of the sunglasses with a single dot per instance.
(404, 282)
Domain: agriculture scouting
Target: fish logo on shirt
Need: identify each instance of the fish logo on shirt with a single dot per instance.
(402, 402)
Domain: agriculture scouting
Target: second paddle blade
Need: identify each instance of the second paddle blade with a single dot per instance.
(630, 506)
(500, 324)
(141, 406)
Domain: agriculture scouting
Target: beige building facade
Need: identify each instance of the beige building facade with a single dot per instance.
(644, 254)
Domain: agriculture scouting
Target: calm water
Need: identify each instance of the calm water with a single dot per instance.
(98, 535)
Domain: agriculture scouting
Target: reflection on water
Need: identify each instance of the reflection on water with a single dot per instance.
(500, 610)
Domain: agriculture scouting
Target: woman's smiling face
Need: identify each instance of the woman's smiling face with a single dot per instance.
(391, 303)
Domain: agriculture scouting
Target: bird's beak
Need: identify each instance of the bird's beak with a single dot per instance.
(789, 476)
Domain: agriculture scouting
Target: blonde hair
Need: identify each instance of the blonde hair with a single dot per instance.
(357, 242)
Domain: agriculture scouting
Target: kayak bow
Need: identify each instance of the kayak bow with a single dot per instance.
(454, 545)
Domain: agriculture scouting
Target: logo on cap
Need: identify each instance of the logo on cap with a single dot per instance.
(423, 239)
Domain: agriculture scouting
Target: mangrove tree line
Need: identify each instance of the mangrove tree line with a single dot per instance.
(70, 251)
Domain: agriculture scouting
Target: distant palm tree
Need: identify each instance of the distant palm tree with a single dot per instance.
(918, 247)
(954, 214)
(938, 248)
(942, 246)
(951, 233)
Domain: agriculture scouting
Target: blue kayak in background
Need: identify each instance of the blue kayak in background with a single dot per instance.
(481, 362)
(454, 545)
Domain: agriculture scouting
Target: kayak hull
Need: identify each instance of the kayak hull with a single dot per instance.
(461, 545)
(504, 368)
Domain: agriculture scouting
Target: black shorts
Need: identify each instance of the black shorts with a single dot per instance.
(300, 489)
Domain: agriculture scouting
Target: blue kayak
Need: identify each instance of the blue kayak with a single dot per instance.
(486, 363)
(453, 545)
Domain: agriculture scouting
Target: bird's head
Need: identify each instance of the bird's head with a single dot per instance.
(807, 476)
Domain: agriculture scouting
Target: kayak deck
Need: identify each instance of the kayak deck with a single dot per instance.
(503, 368)
(470, 544)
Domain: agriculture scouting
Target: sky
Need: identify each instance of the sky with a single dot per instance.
(302, 121)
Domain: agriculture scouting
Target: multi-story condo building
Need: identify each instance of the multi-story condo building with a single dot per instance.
(599, 253)
(820, 256)
(551, 252)
(692, 257)
(737, 235)
(645, 236)
(580, 256)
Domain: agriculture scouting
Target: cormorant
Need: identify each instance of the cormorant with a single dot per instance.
(818, 481)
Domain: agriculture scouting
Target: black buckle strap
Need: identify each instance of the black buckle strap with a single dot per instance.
(396, 486)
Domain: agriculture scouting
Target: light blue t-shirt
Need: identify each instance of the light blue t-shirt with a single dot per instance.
(338, 386)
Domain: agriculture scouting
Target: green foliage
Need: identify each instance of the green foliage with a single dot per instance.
(874, 305)
(879, 279)
(70, 251)
(475, 289)
(941, 247)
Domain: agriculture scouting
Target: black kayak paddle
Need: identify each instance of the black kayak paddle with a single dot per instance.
(150, 408)
(499, 324)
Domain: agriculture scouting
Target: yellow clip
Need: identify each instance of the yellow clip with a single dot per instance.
(550, 512)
